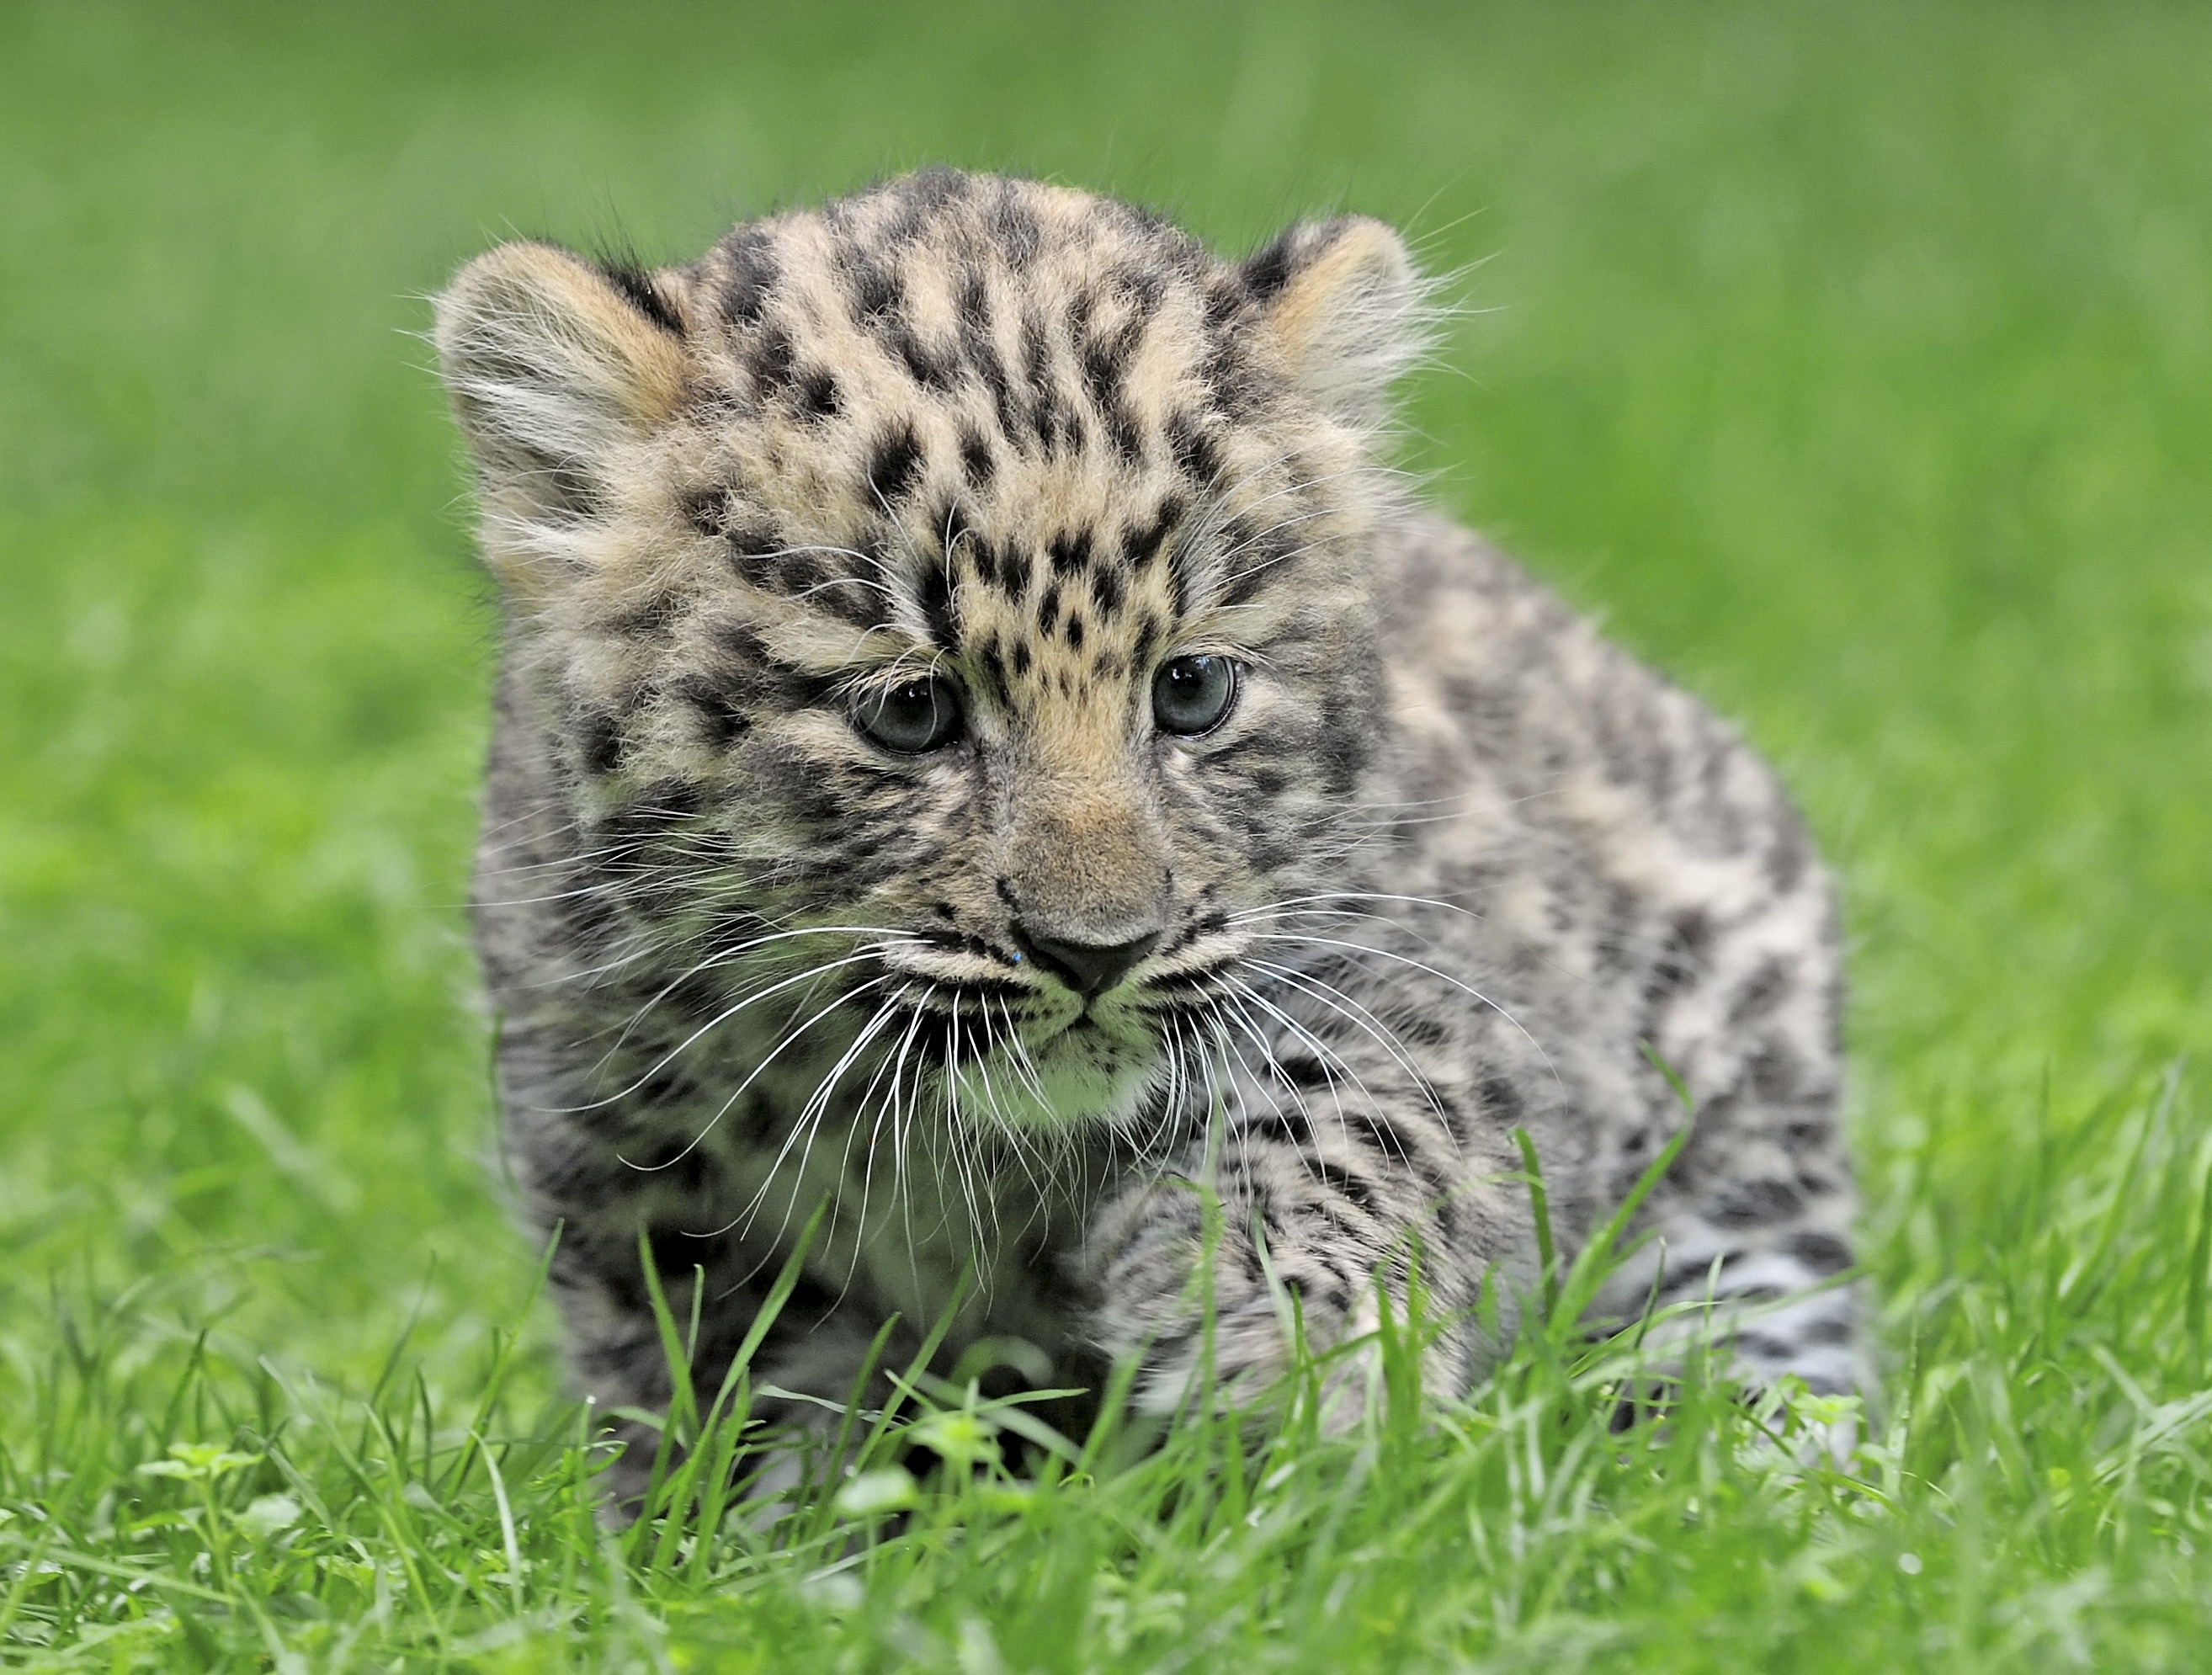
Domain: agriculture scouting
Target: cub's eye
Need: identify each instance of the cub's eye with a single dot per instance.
(1192, 694)
(911, 718)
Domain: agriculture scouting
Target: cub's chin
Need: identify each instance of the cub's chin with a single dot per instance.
(1103, 1066)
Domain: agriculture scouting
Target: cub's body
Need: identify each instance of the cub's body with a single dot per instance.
(986, 752)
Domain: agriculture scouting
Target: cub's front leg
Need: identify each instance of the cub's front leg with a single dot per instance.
(1307, 1205)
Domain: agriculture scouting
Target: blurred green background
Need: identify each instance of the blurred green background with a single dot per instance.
(1853, 362)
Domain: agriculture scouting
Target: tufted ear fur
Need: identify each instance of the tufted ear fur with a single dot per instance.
(555, 367)
(1346, 305)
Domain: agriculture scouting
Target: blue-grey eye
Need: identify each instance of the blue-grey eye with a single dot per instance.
(911, 718)
(1192, 694)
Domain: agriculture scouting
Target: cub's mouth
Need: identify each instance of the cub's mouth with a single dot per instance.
(1102, 1062)
(1014, 1049)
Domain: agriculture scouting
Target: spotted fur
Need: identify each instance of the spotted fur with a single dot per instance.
(1452, 867)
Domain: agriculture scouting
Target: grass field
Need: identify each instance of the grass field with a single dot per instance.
(1856, 362)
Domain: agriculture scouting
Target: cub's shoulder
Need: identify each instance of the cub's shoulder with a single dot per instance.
(1494, 676)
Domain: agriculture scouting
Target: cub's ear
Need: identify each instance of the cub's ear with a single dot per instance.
(554, 367)
(1346, 308)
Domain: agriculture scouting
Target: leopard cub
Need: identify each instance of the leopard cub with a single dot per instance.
(991, 764)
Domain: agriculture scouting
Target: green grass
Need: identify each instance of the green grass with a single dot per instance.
(1855, 362)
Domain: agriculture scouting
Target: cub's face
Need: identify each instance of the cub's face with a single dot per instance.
(949, 614)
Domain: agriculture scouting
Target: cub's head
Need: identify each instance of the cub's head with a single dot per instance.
(961, 593)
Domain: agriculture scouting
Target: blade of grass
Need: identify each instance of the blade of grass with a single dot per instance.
(1539, 1206)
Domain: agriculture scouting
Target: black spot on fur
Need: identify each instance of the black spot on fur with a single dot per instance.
(598, 741)
(1148, 635)
(990, 667)
(1013, 225)
(753, 543)
(1260, 559)
(1343, 747)
(1761, 992)
(817, 394)
(771, 363)
(1196, 454)
(893, 465)
(1053, 424)
(1105, 359)
(1765, 1345)
(755, 675)
(1180, 560)
(928, 369)
(876, 294)
(650, 618)
(972, 299)
(936, 594)
(1693, 936)
(1267, 271)
(1670, 973)
(656, 807)
(931, 190)
(1357, 1187)
(985, 557)
(1810, 1133)
(1106, 589)
(1823, 1252)
(1075, 630)
(1501, 1100)
(1036, 368)
(1069, 550)
(1125, 435)
(1756, 1203)
(981, 352)
(639, 291)
(721, 722)
(845, 596)
(1142, 289)
(1141, 542)
(1285, 1125)
(677, 1251)
(702, 509)
(751, 276)
(1021, 659)
(1230, 377)
(1422, 1032)
(1774, 1073)
(975, 460)
(1226, 297)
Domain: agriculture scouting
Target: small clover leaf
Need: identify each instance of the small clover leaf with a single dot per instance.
(198, 1460)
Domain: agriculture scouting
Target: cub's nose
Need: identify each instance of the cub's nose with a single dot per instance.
(1088, 967)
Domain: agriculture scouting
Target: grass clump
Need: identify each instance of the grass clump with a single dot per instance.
(2037, 1493)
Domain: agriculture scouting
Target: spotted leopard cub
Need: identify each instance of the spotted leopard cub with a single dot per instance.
(988, 751)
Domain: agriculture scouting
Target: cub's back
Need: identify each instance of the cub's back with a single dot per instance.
(1635, 882)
